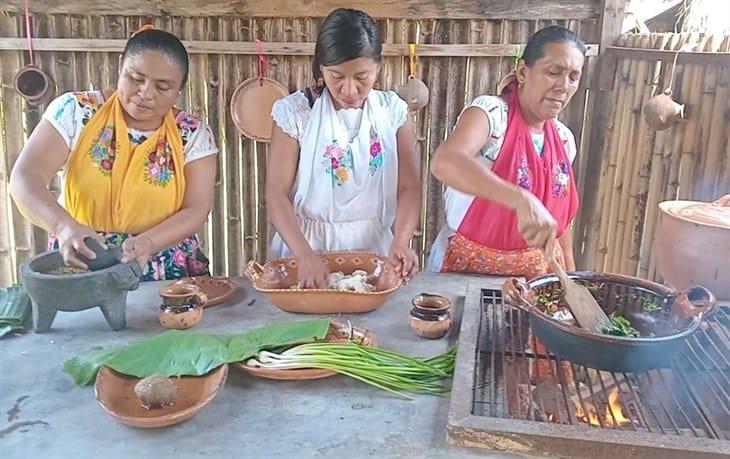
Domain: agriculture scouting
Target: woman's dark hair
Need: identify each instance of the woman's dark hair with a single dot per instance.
(535, 48)
(346, 34)
(159, 40)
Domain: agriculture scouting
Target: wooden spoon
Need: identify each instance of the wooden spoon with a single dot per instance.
(584, 307)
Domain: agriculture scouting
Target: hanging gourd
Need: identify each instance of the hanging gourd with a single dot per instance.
(661, 111)
(414, 92)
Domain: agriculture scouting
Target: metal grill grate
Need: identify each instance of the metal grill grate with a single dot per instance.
(514, 379)
(670, 401)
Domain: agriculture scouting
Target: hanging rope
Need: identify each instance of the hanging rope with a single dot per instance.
(263, 61)
(29, 32)
(674, 67)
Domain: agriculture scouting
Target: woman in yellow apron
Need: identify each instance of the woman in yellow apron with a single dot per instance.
(137, 172)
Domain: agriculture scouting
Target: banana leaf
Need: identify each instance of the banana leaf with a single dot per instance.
(13, 309)
(179, 353)
(245, 345)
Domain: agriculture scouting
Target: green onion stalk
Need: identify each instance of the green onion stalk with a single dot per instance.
(391, 371)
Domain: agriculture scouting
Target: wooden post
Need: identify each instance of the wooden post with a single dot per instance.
(612, 14)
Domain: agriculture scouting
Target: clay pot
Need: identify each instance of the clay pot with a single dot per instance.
(692, 244)
(182, 306)
(35, 85)
(661, 111)
(414, 93)
(430, 316)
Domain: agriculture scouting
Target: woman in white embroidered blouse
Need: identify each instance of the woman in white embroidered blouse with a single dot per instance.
(343, 169)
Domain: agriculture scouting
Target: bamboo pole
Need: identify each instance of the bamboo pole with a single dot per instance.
(653, 184)
(212, 86)
(619, 137)
(616, 215)
(634, 215)
(256, 29)
(41, 25)
(418, 33)
(714, 127)
(436, 126)
(621, 208)
(224, 227)
(673, 146)
(683, 86)
(18, 247)
(9, 65)
(689, 155)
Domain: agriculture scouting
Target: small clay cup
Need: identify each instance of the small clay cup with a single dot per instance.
(430, 316)
(182, 306)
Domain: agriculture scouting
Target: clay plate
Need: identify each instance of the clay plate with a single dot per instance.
(275, 278)
(251, 105)
(115, 393)
(338, 334)
(218, 289)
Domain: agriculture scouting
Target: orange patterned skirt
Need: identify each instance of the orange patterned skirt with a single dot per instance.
(466, 256)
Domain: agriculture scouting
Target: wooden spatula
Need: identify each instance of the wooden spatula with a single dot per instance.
(579, 299)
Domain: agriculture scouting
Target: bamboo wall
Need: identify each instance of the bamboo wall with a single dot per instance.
(642, 167)
(237, 228)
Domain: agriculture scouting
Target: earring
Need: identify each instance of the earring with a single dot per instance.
(320, 82)
(377, 86)
(521, 84)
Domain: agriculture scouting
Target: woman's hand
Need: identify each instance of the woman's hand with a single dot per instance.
(138, 248)
(71, 237)
(534, 221)
(404, 259)
(513, 291)
(723, 201)
(312, 271)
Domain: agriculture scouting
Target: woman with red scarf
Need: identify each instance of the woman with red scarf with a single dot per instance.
(507, 166)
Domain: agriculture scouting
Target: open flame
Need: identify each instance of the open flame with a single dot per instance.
(613, 411)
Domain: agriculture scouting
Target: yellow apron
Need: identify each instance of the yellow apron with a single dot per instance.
(113, 185)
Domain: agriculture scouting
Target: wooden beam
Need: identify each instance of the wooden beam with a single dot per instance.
(405, 9)
(270, 48)
(700, 58)
(612, 17)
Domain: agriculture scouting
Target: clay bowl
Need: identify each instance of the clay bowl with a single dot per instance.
(430, 316)
(217, 289)
(277, 276)
(338, 333)
(180, 317)
(115, 393)
(692, 244)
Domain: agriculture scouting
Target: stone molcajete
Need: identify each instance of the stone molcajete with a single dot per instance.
(106, 289)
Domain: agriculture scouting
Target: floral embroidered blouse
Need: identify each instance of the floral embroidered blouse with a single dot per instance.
(70, 112)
